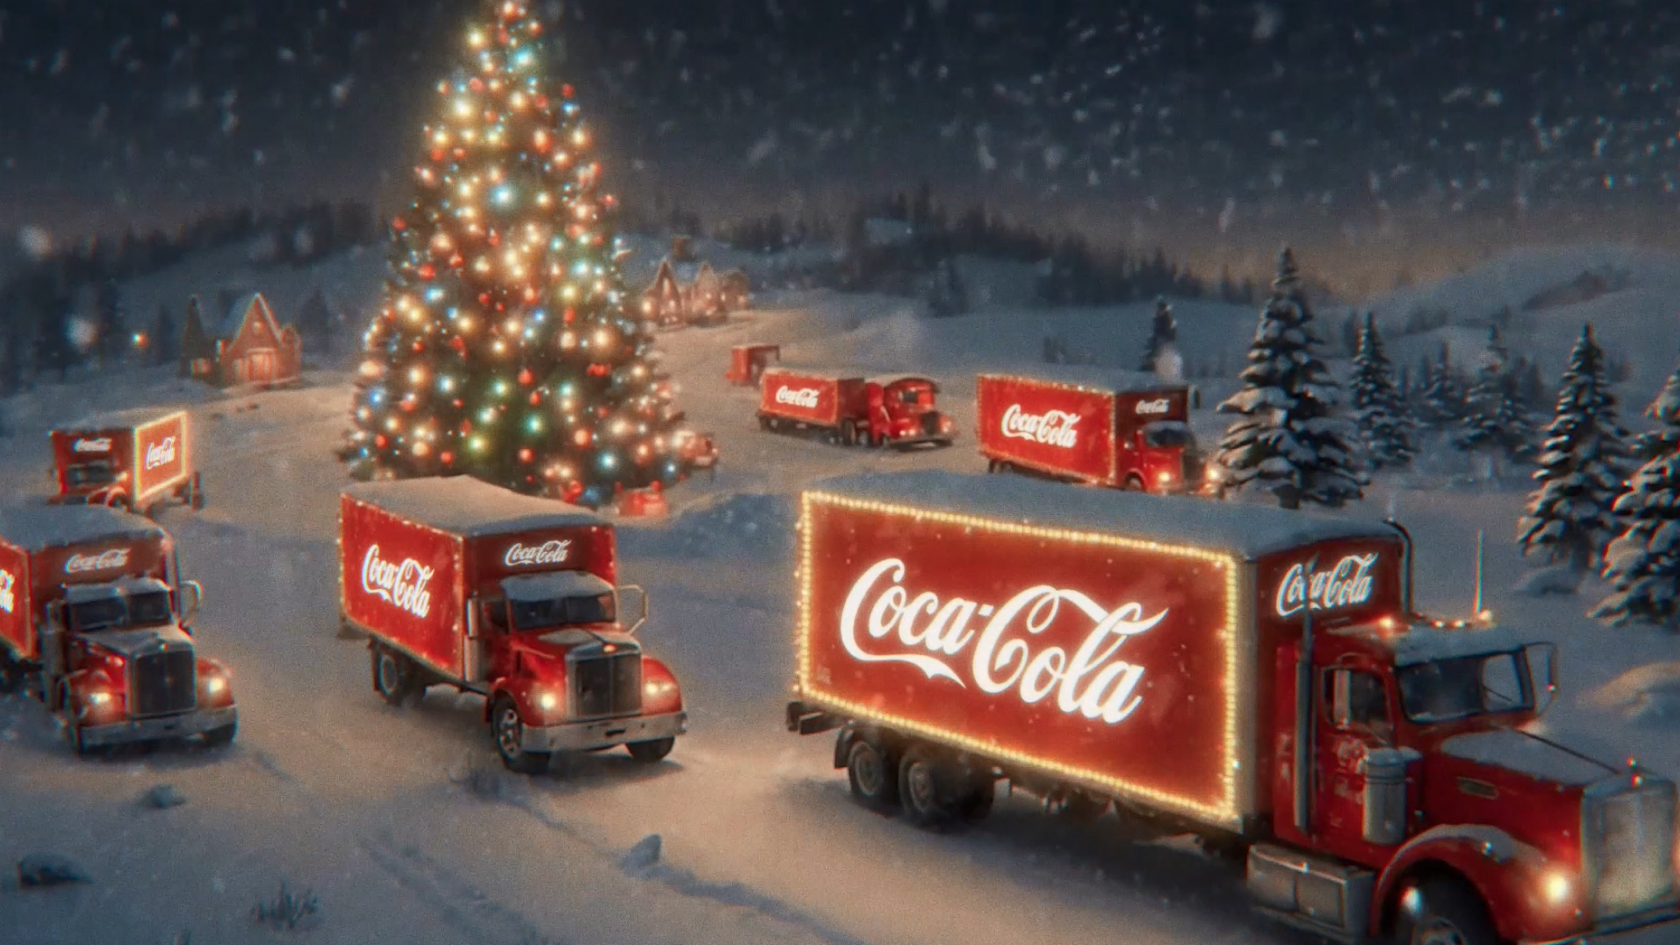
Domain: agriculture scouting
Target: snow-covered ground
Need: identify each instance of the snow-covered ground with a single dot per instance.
(406, 830)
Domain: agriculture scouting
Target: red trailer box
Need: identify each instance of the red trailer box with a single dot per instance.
(130, 458)
(1252, 675)
(93, 621)
(463, 584)
(747, 363)
(1120, 429)
(901, 412)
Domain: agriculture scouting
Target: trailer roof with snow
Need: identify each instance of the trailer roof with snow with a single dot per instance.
(122, 419)
(462, 505)
(39, 527)
(1248, 531)
(1092, 377)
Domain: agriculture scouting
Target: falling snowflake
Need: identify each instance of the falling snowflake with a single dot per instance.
(83, 332)
(36, 242)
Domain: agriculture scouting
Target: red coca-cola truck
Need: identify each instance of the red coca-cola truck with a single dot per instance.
(129, 458)
(94, 623)
(901, 412)
(1255, 676)
(1121, 429)
(460, 583)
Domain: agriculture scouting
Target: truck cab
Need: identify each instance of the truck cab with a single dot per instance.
(1162, 456)
(1423, 787)
(904, 412)
(119, 665)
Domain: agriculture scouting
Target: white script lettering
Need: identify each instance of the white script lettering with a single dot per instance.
(1053, 427)
(8, 596)
(1158, 405)
(101, 445)
(1348, 584)
(1090, 681)
(103, 561)
(402, 585)
(802, 397)
(549, 552)
(160, 453)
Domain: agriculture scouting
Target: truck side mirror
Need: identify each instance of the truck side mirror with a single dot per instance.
(643, 595)
(55, 616)
(1542, 660)
(191, 597)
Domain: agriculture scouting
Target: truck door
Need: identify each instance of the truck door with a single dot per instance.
(493, 628)
(1355, 717)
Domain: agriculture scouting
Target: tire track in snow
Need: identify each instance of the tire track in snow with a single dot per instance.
(462, 905)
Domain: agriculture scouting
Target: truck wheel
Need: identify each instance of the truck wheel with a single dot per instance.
(926, 789)
(1079, 808)
(1134, 484)
(394, 676)
(217, 737)
(197, 495)
(507, 731)
(1444, 912)
(11, 674)
(651, 752)
(872, 773)
(764, 423)
(848, 433)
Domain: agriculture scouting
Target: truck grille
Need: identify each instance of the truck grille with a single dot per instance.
(930, 422)
(1630, 837)
(164, 683)
(1194, 467)
(607, 686)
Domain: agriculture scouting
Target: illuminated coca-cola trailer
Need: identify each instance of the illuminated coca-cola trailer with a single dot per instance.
(1254, 676)
(94, 623)
(1121, 429)
(134, 459)
(463, 584)
(901, 412)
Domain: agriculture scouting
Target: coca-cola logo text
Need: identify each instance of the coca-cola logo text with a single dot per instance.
(1158, 405)
(1052, 427)
(8, 594)
(103, 561)
(101, 445)
(797, 397)
(1000, 657)
(400, 584)
(549, 552)
(1348, 584)
(160, 453)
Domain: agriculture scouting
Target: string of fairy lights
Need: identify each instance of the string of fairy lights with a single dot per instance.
(504, 347)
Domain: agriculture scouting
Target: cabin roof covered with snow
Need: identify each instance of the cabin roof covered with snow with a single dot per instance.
(1426, 644)
(1087, 375)
(126, 419)
(462, 505)
(39, 527)
(234, 321)
(1248, 531)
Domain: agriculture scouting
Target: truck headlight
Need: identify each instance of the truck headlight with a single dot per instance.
(1557, 888)
(216, 685)
(548, 702)
(99, 698)
(658, 688)
(1163, 477)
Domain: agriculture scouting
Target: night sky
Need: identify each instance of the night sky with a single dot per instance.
(1443, 130)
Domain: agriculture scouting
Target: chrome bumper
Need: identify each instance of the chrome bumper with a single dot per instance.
(1605, 933)
(168, 726)
(604, 733)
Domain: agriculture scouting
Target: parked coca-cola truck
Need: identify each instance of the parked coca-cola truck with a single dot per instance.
(463, 584)
(902, 412)
(1252, 675)
(1121, 429)
(93, 622)
(129, 458)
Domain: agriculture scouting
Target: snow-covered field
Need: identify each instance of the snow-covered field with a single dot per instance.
(406, 830)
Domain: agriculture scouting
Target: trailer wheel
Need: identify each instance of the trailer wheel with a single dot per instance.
(1077, 807)
(1443, 911)
(872, 772)
(927, 789)
(507, 731)
(11, 674)
(764, 423)
(196, 495)
(977, 804)
(848, 433)
(395, 676)
(651, 752)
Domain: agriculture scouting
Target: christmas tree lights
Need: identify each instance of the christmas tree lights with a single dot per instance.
(504, 347)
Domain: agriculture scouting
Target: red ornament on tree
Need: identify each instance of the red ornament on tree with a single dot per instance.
(566, 90)
(525, 377)
(398, 224)
(426, 271)
(536, 399)
(570, 315)
(525, 454)
(484, 298)
(447, 457)
(437, 155)
(477, 85)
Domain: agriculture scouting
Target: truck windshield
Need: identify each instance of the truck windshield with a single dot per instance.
(913, 396)
(110, 613)
(90, 474)
(1168, 434)
(561, 612)
(1445, 690)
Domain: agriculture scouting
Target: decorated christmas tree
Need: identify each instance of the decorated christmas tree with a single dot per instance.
(1291, 437)
(1582, 467)
(1643, 565)
(504, 347)
(1377, 404)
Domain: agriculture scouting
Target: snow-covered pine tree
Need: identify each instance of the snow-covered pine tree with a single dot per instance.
(1582, 467)
(1643, 564)
(1163, 334)
(1292, 437)
(1377, 404)
(1441, 401)
(1496, 422)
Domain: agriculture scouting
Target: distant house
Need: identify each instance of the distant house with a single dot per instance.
(249, 346)
(683, 292)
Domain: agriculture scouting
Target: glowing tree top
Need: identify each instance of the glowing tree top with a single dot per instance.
(503, 347)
